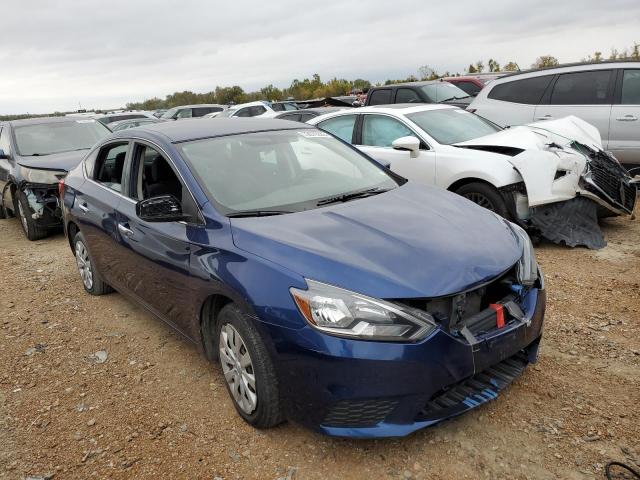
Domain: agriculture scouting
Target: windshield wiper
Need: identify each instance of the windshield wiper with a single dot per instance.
(257, 213)
(350, 196)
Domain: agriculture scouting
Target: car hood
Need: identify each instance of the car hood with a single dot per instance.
(56, 161)
(544, 155)
(413, 241)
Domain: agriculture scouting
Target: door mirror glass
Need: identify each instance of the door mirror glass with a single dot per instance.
(3, 155)
(410, 143)
(165, 208)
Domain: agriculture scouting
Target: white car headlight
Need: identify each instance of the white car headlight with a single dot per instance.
(527, 268)
(349, 314)
(36, 175)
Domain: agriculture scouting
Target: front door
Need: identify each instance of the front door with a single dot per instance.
(624, 135)
(375, 138)
(156, 254)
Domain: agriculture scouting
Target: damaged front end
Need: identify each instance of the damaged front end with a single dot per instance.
(569, 181)
(40, 189)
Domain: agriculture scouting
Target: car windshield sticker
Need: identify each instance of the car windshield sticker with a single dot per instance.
(313, 134)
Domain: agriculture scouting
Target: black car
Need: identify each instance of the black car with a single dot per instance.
(434, 91)
(306, 114)
(35, 154)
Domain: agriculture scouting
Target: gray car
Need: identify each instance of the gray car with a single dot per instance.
(605, 94)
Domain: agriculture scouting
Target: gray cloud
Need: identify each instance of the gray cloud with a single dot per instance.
(103, 54)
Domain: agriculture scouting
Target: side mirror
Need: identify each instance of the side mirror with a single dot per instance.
(165, 208)
(3, 156)
(410, 143)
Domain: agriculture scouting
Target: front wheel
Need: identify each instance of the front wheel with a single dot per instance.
(248, 370)
(29, 226)
(486, 196)
(91, 279)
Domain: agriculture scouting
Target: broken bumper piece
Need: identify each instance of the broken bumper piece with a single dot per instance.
(44, 205)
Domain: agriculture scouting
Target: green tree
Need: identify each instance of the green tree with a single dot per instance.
(493, 65)
(472, 69)
(479, 66)
(511, 67)
(545, 61)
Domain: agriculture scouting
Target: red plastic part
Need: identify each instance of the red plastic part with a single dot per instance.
(499, 309)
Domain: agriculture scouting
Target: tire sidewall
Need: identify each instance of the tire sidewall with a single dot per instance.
(249, 335)
(80, 238)
(490, 193)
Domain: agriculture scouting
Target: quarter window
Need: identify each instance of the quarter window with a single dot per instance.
(582, 88)
(341, 127)
(406, 95)
(381, 131)
(109, 166)
(380, 97)
(528, 91)
(631, 88)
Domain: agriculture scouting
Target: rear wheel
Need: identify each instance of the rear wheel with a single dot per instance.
(486, 196)
(91, 279)
(248, 370)
(31, 229)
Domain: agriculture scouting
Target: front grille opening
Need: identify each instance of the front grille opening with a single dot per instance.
(455, 312)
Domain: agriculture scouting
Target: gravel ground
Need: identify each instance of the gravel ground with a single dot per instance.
(148, 406)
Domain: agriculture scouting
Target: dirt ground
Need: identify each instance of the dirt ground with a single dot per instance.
(155, 409)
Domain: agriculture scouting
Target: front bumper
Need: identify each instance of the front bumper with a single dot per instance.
(44, 204)
(367, 389)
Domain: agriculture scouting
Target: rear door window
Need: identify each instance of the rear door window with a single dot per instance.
(630, 88)
(406, 95)
(341, 127)
(380, 97)
(528, 91)
(468, 87)
(381, 131)
(184, 113)
(582, 88)
(109, 166)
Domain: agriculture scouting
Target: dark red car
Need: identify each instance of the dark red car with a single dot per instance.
(471, 84)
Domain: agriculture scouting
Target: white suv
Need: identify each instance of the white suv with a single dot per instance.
(605, 94)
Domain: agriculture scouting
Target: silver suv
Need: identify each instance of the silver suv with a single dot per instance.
(605, 94)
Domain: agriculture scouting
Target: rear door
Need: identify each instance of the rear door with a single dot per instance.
(624, 129)
(585, 94)
(96, 202)
(375, 137)
(155, 255)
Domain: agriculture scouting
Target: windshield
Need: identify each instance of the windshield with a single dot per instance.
(56, 137)
(170, 113)
(452, 125)
(443, 91)
(288, 170)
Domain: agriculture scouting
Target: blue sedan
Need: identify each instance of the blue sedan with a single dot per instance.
(331, 291)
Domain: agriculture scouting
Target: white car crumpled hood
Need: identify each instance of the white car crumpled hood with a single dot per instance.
(541, 158)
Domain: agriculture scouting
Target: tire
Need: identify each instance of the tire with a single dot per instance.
(91, 279)
(30, 228)
(486, 196)
(237, 337)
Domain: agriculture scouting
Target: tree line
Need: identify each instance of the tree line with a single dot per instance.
(314, 87)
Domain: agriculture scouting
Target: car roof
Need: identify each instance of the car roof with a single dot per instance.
(574, 67)
(404, 84)
(251, 104)
(404, 108)
(43, 120)
(192, 129)
(195, 105)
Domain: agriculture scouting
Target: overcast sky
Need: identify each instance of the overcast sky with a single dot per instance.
(102, 54)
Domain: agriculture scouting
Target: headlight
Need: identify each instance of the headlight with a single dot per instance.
(36, 175)
(527, 268)
(349, 314)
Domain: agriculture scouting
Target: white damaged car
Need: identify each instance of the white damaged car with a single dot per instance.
(551, 177)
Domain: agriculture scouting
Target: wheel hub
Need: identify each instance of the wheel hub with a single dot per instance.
(237, 367)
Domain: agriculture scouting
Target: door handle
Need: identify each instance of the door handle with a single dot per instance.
(627, 118)
(546, 117)
(83, 206)
(124, 230)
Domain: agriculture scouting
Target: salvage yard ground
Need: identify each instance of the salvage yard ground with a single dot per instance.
(148, 406)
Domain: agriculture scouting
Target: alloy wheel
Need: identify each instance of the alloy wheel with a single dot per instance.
(84, 265)
(238, 369)
(481, 200)
(23, 217)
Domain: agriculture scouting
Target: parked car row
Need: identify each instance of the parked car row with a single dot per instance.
(336, 269)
